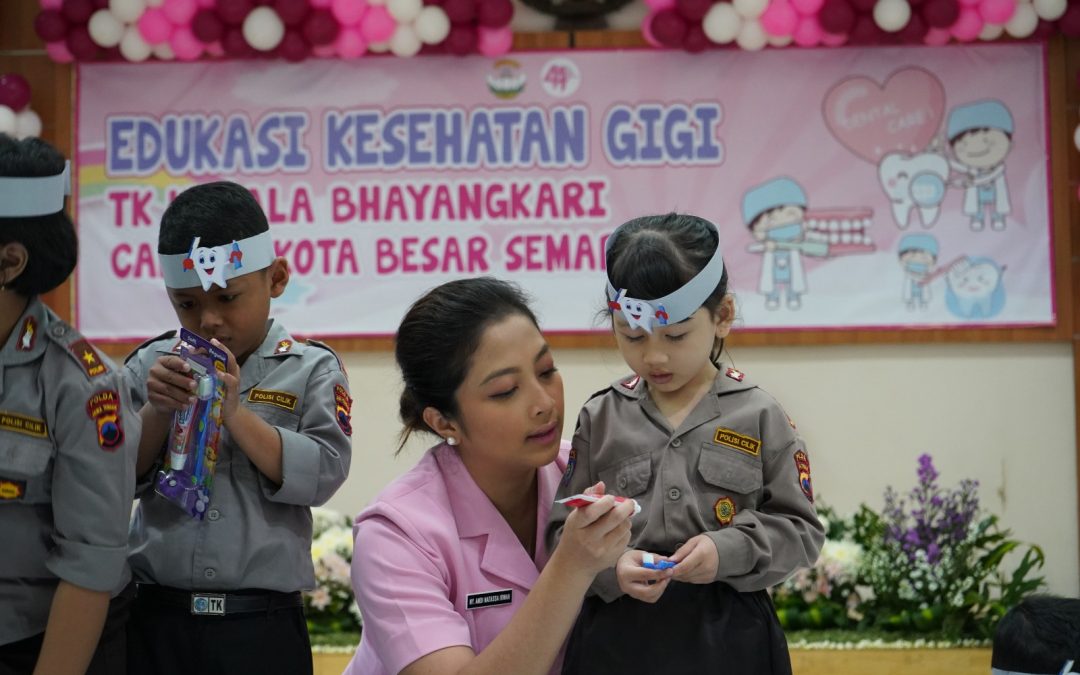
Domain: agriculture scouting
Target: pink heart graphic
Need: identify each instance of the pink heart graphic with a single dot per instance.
(872, 121)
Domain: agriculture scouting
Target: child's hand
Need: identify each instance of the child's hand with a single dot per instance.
(231, 378)
(169, 385)
(640, 582)
(596, 535)
(697, 561)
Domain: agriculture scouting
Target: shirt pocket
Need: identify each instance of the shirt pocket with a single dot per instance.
(726, 470)
(25, 471)
(629, 478)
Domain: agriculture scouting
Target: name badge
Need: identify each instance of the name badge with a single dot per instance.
(207, 604)
(489, 599)
(279, 399)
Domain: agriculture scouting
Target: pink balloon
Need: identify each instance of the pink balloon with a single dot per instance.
(348, 12)
(969, 2)
(936, 37)
(807, 7)
(180, 12)
(378, 25)
(59, 52)
(968, 25)
(154, 26)
(494, 41)
(321, 3)
(324, 51)
(205, 3)
(833, 39)
(997, 11)
(808, 32)
(779, 18)
(185, 45)
(646, 27)
(215, 49)
(51, 4)
(658, 5)
(350, 43)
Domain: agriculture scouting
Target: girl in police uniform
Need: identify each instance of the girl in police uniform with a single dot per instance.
(722, 477)
(67, 444)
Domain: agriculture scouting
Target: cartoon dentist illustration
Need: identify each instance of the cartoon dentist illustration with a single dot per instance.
(980, 137)
(774, 212)
(918, 254)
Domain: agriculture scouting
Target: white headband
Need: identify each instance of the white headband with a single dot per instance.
(22, 197)
(675, 306)
(208, 265)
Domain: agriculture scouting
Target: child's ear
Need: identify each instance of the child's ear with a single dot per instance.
(725, 316)
(278, 272)
(13, 260)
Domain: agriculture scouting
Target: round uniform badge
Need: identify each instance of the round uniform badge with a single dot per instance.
(725, 510)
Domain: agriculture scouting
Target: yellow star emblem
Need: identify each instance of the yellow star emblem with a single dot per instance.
(88, 356)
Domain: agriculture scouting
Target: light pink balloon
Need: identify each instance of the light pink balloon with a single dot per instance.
(833, 39)
(646, 29)
(807, 7)
(180, 12)
(59, 52)
(658, 5)
(378, 25)
(494, 41)
(154, 26)
(997, 11)
(935, 37)
(55, 4)
(968, 25)
(185, 45)
(348, 12)
(350, 43)
(808, 32)
(779, 18)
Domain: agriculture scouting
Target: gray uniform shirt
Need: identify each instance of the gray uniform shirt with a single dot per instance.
(255, 534)
(68, 444)
(735, 469)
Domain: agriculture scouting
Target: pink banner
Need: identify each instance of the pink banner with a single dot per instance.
(853, 188)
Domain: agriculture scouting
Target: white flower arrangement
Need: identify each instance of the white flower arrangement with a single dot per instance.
(330, 607)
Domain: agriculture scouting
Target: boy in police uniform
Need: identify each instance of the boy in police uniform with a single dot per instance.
(222, 594)
(68, 437)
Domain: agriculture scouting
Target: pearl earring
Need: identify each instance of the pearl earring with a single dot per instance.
(450, 440)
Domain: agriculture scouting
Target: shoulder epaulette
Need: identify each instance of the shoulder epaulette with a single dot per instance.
(78, 348)
(323, 345)
(167, 335)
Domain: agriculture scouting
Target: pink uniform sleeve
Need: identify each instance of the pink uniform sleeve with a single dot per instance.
(403, 591)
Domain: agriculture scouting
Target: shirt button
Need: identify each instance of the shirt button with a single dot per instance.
(623, 482)
(213, 514)
(673, 494)
(209, 573)
(58, 330)
(676, 442)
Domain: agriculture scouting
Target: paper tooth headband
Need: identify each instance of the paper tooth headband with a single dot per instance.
(673, 307)
(208, 265)
(22, 197)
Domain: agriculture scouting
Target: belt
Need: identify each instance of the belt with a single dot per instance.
(209, 603)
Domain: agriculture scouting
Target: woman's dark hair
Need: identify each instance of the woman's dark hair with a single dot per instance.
(1038, 635)
(218, 213)
(51, 245)
(437, 338)
(652, 256)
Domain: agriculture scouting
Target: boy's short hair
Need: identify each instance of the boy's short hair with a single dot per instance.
(1039, 635)
(51, 245)
(218, 213)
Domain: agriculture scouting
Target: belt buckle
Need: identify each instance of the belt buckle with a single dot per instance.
(208, 604)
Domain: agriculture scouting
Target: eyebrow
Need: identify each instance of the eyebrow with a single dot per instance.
(513, 369)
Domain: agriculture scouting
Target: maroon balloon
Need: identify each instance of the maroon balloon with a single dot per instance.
(80, 45)
(494, 13)
(321, 28)
(101, 4)
(426, 3)
(837, 17)
(293, 47)
(439, 48)
(235, 45)
(1044, 29)
(292, 12)
(14, 91)
(693, 10)
(50, 25)
(461, 40)
(460, 11)
(669, 28)
(914, 31)
(233, 12)
(941, 13)
(77, 11)
(1069, 23)
(207, 26)
(863, 6)
(695, 40)
(864, 32)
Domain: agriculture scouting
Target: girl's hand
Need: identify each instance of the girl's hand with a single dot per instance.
(169, 385)
(641, 583)
(697, 561)
(594, 536)
(231, 378)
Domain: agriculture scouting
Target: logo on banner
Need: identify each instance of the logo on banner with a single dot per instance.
(560, 77)
(506, 80)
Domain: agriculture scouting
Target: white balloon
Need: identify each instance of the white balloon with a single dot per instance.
(1076, 137)
(1050, 10)
(383, 2)
(378, 47)
(404, 11)
(7, 121)
(1024, 21)
(127, 11)
(752, 36)
(779, 40)
(722, 23)
(991, 31)
(27, 124)
(155, 3)
(892, 15)
(133, 47)
(750, 9)
(432, 26)
(105, 29)
(164, 52)
(263, 29)
(405, 42)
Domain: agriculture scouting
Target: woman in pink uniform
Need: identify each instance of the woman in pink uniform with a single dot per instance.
(450, 568)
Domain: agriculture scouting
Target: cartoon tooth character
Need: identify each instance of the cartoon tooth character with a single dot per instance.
(209, 262)
(980, 137)
(918, 254)
(914, 181)
(974, 288)
(774, 212)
